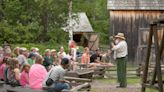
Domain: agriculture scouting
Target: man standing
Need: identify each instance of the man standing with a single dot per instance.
(120, 48)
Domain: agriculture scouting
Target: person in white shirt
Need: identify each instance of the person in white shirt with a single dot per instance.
(56, 74)
(22, 57)
(61, 54)
(121, 50)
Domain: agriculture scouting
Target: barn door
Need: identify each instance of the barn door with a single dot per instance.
(142, 44)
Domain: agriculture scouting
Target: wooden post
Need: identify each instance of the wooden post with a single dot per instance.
(147, 60)
(161, 50)
(162, 45)
(78, 88)
(158, 64)
(155, 67)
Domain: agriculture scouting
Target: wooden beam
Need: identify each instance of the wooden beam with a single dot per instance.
(78, 88)
(155, 67)
(77, 79)
(161, 51)
(158, 63)
(147, 59)
(162, 46)
(84, 87)
(150, 86)
(155, 70)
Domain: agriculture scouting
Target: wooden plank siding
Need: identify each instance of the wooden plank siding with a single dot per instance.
(129, 22)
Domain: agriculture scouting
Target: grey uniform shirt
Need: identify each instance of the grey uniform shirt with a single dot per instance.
(121, 49)
(56, 74)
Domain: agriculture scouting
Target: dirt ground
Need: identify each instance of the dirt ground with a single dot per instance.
(97, 86)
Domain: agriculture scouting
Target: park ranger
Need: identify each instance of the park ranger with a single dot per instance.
(121, 52)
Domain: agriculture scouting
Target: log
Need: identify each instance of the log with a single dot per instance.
(77, 79)
(78, 88)
(72, 74)
(105, 66)
(84, 71)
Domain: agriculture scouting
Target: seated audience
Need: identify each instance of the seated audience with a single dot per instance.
(47, 59)
(22, 57)
(85, 59)
(37, 73)
(24, 78)
(107, 56)
(61, 54)
(96, 57)
(2, 68)
(16, 52)
(95, 60)
(13, 72)
(1, 54)
(54, 57)
(56, 74)
(31, 59)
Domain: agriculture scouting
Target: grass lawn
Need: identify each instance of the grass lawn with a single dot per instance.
(134, 80)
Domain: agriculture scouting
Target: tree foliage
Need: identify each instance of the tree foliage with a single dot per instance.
(26, 21)
(34, 21)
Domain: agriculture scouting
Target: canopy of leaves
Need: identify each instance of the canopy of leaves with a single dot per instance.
(35, 21)
(27, 21)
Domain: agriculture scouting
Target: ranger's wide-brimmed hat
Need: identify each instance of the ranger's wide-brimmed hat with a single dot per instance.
(120, 35)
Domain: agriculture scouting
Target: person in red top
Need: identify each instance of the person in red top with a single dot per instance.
(73, 49)
(72, 44)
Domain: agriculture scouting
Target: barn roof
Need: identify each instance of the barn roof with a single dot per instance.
(135, 4)
(80, 23)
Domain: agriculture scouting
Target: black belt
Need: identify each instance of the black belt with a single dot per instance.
(121, 57)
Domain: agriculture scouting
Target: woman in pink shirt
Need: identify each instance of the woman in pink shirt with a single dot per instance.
(37, 73)
(2, 67)
(24, 78)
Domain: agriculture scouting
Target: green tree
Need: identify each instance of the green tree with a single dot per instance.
(25, 21)
(31, 21)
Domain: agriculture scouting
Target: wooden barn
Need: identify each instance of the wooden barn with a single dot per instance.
(83, 33)
(131, 17)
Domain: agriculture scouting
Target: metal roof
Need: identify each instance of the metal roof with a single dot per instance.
(80, 23)
(135, 4)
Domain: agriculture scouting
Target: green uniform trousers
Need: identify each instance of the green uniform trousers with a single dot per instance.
(121, 71)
